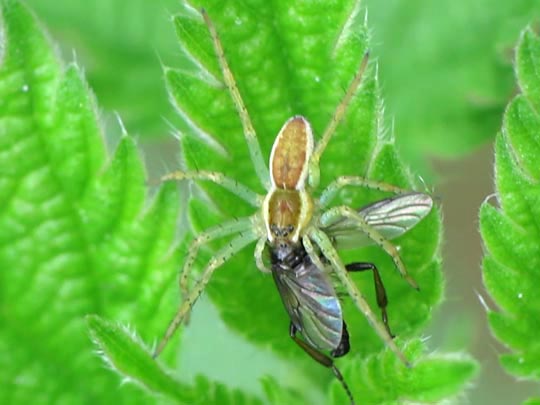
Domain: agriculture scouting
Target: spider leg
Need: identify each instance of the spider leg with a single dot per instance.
(328, 250)
(220, 179)
(224, 254)
(258, 253)
(313, 254)
(320, 358)
(332, 189)
(249, 132)
(237, 225)
(382, 299)
(343, 211)
(334, 122)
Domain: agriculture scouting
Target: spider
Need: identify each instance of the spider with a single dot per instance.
(301, 232)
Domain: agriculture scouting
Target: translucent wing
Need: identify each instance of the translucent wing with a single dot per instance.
(311, 302)
(391, 217)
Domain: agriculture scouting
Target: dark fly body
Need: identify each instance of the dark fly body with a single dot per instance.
(312, 304)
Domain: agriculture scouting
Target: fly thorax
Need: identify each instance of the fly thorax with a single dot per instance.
(284, 254)
(288, 207)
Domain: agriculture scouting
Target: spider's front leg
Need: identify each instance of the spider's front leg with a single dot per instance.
(382, 300)
(334, 187)
(249, 132)
(337, 117)
(258, 253)
(221, 180)
(243, 226)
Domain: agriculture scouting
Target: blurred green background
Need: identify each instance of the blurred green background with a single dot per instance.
(446, 75)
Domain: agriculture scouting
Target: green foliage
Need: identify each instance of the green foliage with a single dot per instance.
(447, 75)
(511, 232)
(457, 87)
(79, 234)
(277, 394)
(120, 44)
(125, 353)
(381, 379)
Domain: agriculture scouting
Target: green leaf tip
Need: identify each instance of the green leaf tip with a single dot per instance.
(510, 231)
(277, 393)
(527, 65)
(433, 377)
(124, 351)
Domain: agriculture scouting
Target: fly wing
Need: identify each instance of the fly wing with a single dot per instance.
(311, 302)
(391, 217)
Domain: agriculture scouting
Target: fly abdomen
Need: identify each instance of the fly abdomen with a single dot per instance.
(344, 345)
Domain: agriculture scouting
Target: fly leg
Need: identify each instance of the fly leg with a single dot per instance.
(321, 358)
(382, 300)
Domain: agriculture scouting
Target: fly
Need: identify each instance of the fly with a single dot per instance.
(308, 294)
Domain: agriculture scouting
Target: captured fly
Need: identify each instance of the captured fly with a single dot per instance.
(307, 291)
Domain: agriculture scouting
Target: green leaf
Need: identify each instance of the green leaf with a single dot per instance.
(511, 231)
(120, 44)
(382, 379)
(296, 59)
(447, 76)
(276, 394)
(126, 354)
(78, 233)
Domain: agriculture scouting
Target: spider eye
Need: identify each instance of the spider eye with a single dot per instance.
(287, 231)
